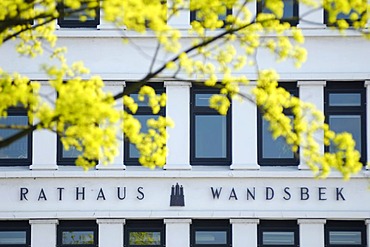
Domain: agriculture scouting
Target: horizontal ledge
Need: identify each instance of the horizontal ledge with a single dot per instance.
(195, 172)
(191, 214)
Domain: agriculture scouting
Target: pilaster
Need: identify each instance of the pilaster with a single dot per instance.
(44, 232)
(313, 92)
(177, 232)
(111, 232)
(244, 134)
(244, 232)
(178, 108)
(311, 232)
(115, 87)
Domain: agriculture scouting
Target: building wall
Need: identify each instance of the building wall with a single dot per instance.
(243, 193)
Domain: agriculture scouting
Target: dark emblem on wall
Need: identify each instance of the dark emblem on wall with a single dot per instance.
(177, 196)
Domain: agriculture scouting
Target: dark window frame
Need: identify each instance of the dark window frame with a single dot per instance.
(142, 110)
(77, 23)
(77, 225)
(293, 89)
(7, 226)
(278, 226)
(293, 21)
(19, 111)
(144, 226)
(206, 110)
(210, 225)
(350, 87)
(193, 16)
(343, 225)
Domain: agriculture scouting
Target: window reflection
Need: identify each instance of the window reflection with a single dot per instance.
(290, 10)
(211, 237)
(345, 99)
(19, 148)
(274, 148)
(145, 238)
(134, 153)
(78, 237)
(347, 123)
(12, 237)
(345, 238)
(210, 132)
(278, 238)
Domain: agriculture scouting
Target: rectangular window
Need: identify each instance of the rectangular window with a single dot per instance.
(207, 233)
(345, 233)
(194, 16)
(144, 233)
(275, 151)
(343, 16)
(143, 113)
(66, 157)
(290, 14)
(20, 151)
(15, 233)
(278, 233)
(345, 111)
(71, 18)
(210, 132)
(77, 233)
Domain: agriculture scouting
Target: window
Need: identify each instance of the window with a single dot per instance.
(210, 132)
(143, 113)
(345, 111)
(74, 233)
(20, 151)
(343, 16)
(71, 17)
(15, 233)
(345, 233)
(66, 157)
(290, 14)
(144, 233)
(275, 151)
(278, 233)
(194, 16)
(215, 233)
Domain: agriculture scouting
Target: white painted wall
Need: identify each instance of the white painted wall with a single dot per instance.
(311, 232)
(44, 233)
(111, 232)
(177, 232)
(331, 58)
(244, 232)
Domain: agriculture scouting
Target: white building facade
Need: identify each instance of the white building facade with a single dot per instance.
(242, 195)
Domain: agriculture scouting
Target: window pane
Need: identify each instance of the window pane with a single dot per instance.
(288, 9)
(210, 136)
(210, 237)
(274, 148)
(278, 238)
(345, 99)
(348, 123)
(134, 153)
(75, 16)
(222, 16)
(71, 153)
(12, 237)
(144, 238)
(138, 102)
(202, 99)
(19, 148)
(78, 237)
(345, 238)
